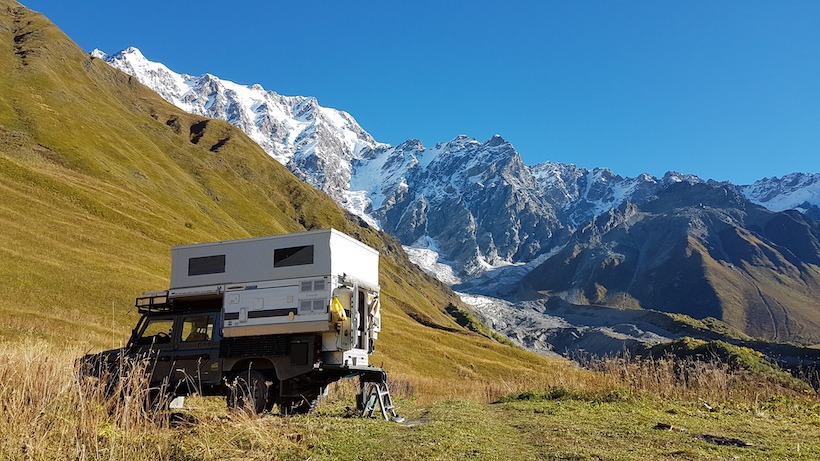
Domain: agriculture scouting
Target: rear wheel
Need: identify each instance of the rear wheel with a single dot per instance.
(249, 391)
(300, 406)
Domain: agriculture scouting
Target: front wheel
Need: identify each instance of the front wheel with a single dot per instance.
(249, 391)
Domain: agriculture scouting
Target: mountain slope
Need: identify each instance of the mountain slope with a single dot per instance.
(316, 143)
(100, 176)
(698, 249)
(465, 207)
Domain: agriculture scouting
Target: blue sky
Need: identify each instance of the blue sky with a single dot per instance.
(728, 90)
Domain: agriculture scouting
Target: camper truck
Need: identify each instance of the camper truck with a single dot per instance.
(266, 321)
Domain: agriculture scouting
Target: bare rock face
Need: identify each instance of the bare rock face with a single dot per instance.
(482, 218)
(477, 201)
(701, 250)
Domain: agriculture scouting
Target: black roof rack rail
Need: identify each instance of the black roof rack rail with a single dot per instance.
(154, 303)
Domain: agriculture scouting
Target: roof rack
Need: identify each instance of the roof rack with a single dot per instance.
(154, 302)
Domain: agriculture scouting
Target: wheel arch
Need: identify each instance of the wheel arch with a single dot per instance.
(264, 365)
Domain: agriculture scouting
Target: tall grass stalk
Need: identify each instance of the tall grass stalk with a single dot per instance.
(689, 379)
(50, 412)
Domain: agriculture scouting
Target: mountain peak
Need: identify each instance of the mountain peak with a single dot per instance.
(496, 140)
(410, 144)
(461, 141)
(316, 143)
(98, 53)
(130, 53)
(674, 176)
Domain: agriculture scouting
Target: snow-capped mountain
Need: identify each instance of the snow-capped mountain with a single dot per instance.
(316, 143)
(464, 207)
(476, 207)
(800, 191)
(476, 203)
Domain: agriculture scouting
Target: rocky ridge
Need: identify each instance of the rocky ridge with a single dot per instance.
(476, 216)
(464, 207)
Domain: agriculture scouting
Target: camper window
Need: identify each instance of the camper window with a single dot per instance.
(293, 256)
(206, 265)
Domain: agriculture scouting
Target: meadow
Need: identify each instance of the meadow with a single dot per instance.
(628, 409)
(100, 177)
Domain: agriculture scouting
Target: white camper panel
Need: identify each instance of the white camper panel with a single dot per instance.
(353, 258)
(276, 257)
(285, 307)
(276, 285)
(305, 254)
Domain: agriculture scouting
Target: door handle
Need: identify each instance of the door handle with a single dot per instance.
(164, 358)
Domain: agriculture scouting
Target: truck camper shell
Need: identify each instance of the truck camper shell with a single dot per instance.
(277, 318)
(318, 253)
(319, 281)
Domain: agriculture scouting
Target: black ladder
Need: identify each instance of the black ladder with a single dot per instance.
(377, 394)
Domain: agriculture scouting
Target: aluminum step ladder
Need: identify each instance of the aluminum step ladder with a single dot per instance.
(377, 394)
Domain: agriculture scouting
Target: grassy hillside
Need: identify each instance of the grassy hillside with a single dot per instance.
(100, 177)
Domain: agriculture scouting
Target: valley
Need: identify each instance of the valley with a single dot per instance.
(101, 175)
(475, 216)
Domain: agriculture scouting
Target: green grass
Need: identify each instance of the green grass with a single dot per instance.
(710, 324)
(565, 429)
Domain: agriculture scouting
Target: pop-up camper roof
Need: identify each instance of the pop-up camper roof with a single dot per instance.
(326, 252)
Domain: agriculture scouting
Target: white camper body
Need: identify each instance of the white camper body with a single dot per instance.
(321, 282)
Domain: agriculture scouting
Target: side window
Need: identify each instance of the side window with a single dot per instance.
(156, 331)
(293, 256)
(205, 265)
(198, 328)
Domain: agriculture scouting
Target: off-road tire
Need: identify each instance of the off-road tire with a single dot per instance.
(249, 391)
(301, 406)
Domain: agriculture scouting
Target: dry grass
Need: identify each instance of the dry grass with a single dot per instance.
(49, 412)
(710, 381)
